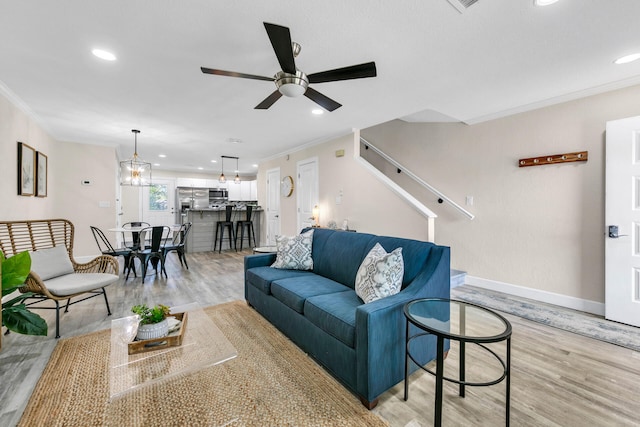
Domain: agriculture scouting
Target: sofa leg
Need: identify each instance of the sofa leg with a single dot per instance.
(367, 404)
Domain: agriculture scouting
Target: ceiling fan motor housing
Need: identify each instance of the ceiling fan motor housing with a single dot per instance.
(291, 85)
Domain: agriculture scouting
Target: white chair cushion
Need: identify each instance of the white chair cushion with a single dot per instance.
(79, 282)
(50, 263)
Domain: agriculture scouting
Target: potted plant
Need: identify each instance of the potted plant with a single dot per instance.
(15, 315)
(153, 321)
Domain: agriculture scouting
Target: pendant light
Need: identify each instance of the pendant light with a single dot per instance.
(135, 171)
(222, 178)
(237, 178)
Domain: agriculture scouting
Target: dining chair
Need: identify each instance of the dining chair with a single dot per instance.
(221, 226)
(247, 224)
(135, 235)
(178, 244)
(155, 252)
(106, 248)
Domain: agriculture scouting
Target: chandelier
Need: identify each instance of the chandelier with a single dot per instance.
(135, 171)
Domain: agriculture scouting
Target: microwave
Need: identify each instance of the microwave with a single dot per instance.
(218, 195)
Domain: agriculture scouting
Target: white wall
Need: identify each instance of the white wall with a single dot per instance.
(69, 164)
(539, 231)
(536, 227)
(366, 203)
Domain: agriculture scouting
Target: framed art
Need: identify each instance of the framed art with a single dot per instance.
(26, 170)
(41, 174)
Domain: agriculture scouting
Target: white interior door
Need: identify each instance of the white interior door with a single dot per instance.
(622, 247)
(273, 206)
(158, 203)
(307, 194)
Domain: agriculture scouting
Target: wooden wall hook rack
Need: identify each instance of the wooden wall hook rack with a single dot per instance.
(579, 156)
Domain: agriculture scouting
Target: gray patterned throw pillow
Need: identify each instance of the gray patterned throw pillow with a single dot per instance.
(380, 274)
(294, 253)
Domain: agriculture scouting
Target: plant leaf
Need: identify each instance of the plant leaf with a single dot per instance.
(17, 299)
(19, 319)
(15, 270)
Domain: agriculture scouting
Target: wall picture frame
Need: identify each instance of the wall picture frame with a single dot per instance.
(26, 170)
(42, 167)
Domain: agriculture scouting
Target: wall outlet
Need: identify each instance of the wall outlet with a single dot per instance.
(469, 201)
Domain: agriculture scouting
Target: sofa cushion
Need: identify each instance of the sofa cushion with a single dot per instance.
(335, 314)
(261, 277)
(294, 291)
(380, 274)
(338, 254)
(69, 284)
(51, 262)
(294, 252)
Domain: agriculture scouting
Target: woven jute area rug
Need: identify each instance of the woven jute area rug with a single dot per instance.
(271, 383)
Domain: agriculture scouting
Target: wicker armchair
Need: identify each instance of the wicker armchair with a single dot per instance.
(86, 278)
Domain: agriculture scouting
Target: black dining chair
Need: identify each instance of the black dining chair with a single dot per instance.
(248, 225)
(134, 244)
(178, 244)
(155, 251)
(106, 248)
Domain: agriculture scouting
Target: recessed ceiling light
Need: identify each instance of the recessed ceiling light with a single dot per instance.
(156, 164)
(544, 2)
(200, 168)
(235, 140)
(214, 161)
(103, 54)
(317, 111)
(162, 155)
(628, 58)
(255, 166)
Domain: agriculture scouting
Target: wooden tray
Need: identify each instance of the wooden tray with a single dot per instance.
(171, 340)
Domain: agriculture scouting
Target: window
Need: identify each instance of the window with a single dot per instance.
(158, 197)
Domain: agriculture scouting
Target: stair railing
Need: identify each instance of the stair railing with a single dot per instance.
(416, 178)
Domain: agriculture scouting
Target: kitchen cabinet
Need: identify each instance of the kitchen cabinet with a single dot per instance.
(235, 192)
(214, 183)
(243, 192)
(191, 182)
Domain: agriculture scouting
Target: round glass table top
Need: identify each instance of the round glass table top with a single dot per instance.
(457, 319)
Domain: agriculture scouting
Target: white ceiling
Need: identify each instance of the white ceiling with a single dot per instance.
(433, 62)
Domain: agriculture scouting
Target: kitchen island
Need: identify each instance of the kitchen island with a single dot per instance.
(203, 229)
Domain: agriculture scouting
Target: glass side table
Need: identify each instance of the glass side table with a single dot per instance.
(463, 322)
(203, 345)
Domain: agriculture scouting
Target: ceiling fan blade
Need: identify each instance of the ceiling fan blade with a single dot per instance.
(322, 100)
(234, 74)
(281, 42)
(353, 72)
(268, 101)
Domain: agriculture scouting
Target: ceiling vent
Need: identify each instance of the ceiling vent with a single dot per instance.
(462, 5)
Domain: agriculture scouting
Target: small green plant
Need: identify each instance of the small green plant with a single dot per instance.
(150, 315)
(15, 315)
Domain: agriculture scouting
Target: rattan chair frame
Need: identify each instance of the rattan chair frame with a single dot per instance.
(33, 235)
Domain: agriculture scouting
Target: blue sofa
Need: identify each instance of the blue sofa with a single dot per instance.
(362, 345)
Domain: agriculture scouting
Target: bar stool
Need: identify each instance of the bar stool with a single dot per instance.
(248, 224)
(220, 226)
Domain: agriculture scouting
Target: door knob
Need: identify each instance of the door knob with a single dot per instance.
(613, 232)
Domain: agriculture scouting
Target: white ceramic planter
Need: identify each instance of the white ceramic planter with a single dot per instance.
(155, 330)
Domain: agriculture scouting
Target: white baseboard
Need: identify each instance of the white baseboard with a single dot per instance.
(588, 306)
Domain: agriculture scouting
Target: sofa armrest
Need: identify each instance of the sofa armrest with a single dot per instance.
(381, 327)
(259, 260)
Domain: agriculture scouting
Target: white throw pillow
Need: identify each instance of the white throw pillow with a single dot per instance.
(52, 262)
(380, 274)
(294, 253)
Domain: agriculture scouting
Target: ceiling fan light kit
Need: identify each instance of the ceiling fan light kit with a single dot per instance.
(292, 82)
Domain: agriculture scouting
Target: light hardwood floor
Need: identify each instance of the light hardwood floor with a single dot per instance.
(558, 378)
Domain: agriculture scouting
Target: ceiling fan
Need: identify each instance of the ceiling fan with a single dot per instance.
(292, 82)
